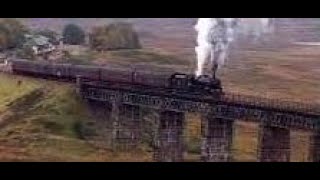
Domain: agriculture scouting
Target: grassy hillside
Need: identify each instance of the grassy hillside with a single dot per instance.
(10, 90)
(41, 122)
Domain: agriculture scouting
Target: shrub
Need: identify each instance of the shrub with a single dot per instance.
(52, 35)
(26, 53)
(73, 35)
(114, 36)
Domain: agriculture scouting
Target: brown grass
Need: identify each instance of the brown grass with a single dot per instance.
(44, 128)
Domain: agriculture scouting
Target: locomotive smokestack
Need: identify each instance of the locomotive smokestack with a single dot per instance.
(216, 34)
(214, 71)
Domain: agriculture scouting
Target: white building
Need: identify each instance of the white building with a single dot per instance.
(41, 45)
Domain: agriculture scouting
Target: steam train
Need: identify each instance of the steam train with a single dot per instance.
(177, 81)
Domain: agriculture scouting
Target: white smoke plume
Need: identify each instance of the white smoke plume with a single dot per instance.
(256, 27)
(216, 34)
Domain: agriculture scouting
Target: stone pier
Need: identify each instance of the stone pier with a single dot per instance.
(315, 147)
(217, 139)
(170, 143)
(126, 126)
(274, 145)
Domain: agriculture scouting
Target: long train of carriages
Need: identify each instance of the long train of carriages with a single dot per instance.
(179, 81)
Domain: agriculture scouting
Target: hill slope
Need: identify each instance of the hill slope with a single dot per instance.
(41, 121)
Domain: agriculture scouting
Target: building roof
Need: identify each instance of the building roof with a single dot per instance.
(37, 40)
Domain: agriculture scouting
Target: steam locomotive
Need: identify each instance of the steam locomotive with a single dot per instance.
(176, 81)
(203, 84)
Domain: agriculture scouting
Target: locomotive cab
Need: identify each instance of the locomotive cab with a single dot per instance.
(179, 80)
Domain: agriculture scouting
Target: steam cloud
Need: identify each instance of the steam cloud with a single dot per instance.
(216, 34)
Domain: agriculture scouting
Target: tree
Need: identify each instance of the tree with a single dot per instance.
(73, 35)
(4, 37)
(26, 52)
(11, 33)
(114, 36)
